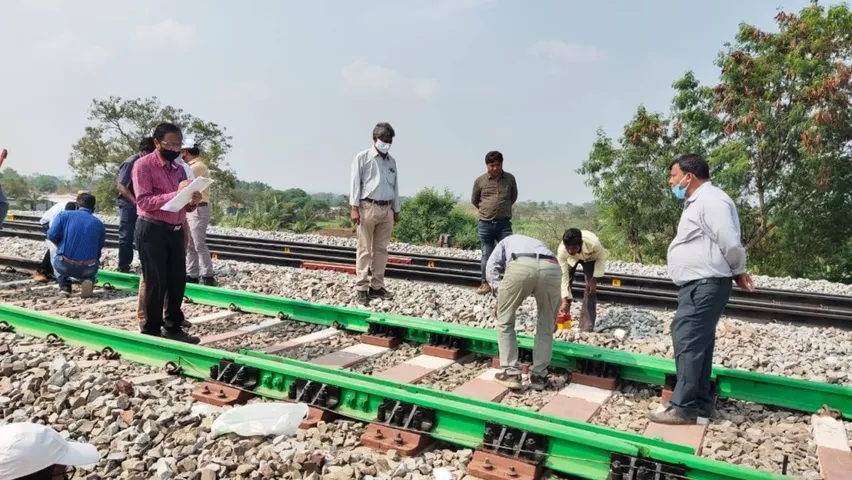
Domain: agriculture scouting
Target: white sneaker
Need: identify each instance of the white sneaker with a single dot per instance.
(86, 289)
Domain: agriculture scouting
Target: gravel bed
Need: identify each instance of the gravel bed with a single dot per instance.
(311, 351)
(820, 353)
(533, 399)
(456, 375)
(286, 330)
(387, 360)
(627, 409)
(153, 432)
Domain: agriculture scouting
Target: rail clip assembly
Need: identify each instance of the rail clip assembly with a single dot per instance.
(626, 467)
(229, 384)
(321, 398)
(445, 346)
(400, 426)
(382, 335)
(508, 454)
(596, 373)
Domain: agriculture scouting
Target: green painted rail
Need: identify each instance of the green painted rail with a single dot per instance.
(574, 451)
(795, 394)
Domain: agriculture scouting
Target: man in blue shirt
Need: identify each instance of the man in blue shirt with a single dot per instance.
(79, 237)
(127, 205)
(531, 269)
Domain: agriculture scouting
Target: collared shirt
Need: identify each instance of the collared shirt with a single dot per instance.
(494, 197)
(374, 177)
(78, 235)
(707, 244)
(52, 212)
(156, 182)
(513, 244)
(590, 250)
(125, 177)
(199, 169)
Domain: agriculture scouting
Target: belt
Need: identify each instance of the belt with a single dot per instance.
(161, 223)
(381, 203)
(497, 220)
(537, 256)
(202, 204)
(85, 263)
(706, 281)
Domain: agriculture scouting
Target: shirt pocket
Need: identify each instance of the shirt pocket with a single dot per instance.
(390, 176)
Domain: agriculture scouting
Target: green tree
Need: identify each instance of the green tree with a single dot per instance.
(119, 125)
(430, 214)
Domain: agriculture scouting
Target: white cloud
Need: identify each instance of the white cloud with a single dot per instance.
(557, 50)
(361, 75)
(168, 33)
(72, 47)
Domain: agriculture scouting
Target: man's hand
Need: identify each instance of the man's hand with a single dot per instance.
(566, 306)
(183, 185)
(395, 218)
(356, 216)
(745, 282)
(196, 198)
(592, 286)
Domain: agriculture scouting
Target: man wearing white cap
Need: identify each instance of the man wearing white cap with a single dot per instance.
(33, 451)
(198, 260)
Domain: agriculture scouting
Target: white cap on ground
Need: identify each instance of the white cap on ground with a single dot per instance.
(188, 142)
(27, 448)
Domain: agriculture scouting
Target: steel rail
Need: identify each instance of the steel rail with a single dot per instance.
(589, 452)
(776, 305)
(795, 394)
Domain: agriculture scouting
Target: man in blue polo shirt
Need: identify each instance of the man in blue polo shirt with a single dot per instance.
(79, 237)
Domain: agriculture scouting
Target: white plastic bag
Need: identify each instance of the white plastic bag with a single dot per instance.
(261, 419)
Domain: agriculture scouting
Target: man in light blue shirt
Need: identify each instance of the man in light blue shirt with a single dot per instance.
(530, 269)
(704, 259)
(374, 198)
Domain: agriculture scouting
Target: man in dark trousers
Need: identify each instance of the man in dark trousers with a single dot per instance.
(127, 205)
(494, 194)
(704, 259)
(157, 179)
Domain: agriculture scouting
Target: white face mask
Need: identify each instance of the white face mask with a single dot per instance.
(382, 146)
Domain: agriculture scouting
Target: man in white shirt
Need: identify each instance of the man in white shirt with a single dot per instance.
(44, 271)
(530, 269)
(374, 198)
(704, 259)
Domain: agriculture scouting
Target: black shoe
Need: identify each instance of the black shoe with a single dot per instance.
(363, 299)
(670, 416)
(191, 279)
(508, 381)
(65, 290)
(538, 382)
(209, 281)
(181, 336)
(380, 293)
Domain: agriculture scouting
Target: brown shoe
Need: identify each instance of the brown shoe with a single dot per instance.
(483, 289)
(670, 417)
(39, 277)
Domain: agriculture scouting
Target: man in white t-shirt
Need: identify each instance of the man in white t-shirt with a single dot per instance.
(30, 450)
(44, 271)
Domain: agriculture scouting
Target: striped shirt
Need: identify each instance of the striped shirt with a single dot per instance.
(155, 182)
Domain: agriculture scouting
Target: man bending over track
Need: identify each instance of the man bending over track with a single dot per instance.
(581, 247)
(532, 270)
(45, 270)
(79, 237)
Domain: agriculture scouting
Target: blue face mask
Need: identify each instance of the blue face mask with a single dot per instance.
(680, 192)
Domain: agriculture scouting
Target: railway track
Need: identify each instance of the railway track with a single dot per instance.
(325, 356)
(763, 304)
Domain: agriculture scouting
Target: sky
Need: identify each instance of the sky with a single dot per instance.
(300, 85)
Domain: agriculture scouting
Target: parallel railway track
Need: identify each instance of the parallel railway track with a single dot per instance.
(763, 304)
(555, 440)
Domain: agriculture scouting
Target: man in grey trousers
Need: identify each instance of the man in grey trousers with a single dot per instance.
(532, 270)
(198, 258)
(704, 259)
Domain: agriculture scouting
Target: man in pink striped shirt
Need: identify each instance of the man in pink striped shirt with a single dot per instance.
(159, 237)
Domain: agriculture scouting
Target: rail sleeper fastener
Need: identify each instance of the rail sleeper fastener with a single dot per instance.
(445, 346)
(400, 426)
(524, 358)
(229, 384)
(508, 454)
(596, 373)
(382, 335)
(671, 382)
(321, 398)
(626, 467)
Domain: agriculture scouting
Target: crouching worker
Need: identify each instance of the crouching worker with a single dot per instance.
(45, 270)
(79, 237)
(581, 247)
(532, 270)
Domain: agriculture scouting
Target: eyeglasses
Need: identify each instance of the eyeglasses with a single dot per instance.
(171, 145)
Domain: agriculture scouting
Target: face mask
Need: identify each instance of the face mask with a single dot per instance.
(169, 155)
(680, 192)
(382, 146)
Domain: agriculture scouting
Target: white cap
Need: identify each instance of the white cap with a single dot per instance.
(27, 448)
(188, 143)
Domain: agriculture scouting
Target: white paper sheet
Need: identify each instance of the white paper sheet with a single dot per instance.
(184, 196)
